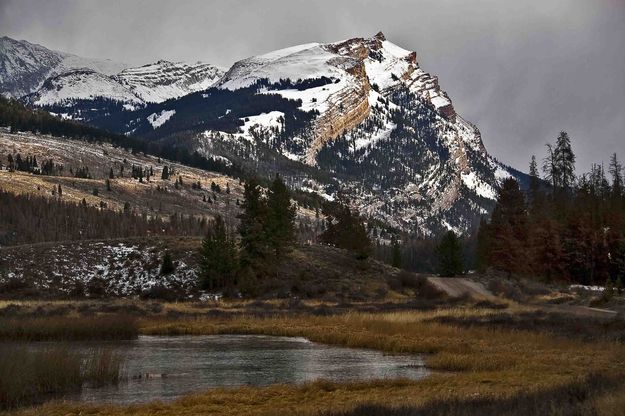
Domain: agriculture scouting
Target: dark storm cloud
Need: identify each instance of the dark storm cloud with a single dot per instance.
(522, 71)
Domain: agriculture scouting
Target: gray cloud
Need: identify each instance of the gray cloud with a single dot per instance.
(522, 71)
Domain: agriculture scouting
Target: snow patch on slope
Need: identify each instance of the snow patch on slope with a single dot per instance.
(310, 60)
(82, 85)
(266, 120)
(158, 119)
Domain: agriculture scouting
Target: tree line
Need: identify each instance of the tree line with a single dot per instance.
(28, 219)
(250, 259)
(564, 226)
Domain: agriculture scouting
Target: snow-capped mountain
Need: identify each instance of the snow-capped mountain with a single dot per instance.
(53, 78)
(358, 116)
(24, 66)
(383, 128)
(134, 87)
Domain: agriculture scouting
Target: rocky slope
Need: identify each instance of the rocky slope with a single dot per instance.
(24, 66)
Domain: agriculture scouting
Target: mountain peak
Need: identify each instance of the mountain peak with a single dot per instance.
(380, 36)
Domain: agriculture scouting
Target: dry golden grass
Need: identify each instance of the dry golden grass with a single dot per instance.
(467, 363)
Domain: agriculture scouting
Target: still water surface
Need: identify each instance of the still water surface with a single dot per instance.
(186, 364)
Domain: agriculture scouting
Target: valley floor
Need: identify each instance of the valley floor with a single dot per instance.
(486, 358)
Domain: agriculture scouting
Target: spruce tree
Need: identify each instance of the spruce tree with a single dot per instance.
(253, 244)
(280, 223)
(483, 246)
(396, 254)
(346, 229)
(508, 229)
(218, 264)
(449, 253)
(616, 170)
(565, 161)
(167, 264)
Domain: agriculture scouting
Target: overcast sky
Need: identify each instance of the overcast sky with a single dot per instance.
(521, 70)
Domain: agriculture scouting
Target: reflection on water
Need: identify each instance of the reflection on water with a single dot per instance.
(181, 365)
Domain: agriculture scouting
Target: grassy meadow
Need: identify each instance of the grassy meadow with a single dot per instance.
(475, 369)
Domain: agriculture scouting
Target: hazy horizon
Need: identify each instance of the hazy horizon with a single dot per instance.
(520, 72)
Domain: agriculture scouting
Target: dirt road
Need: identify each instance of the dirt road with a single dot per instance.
(458, 286)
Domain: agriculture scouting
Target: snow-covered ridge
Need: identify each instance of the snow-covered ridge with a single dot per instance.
(82, 84)
(164, 80)
(57, 77)
(24, 66)
(152, 83)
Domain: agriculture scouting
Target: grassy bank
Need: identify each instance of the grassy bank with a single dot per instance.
(32, 376)
(104, 327)
(469, 363)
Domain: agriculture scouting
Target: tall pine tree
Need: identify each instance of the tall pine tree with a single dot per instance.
(449, 253)
(280, 221)
(218, 254)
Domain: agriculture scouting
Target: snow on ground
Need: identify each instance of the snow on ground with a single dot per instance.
(158, 119)
(310, 60)
(265, 120)
(473, 182)
(86, 85)
(387, 71)
(163, 80)
(589, 288)
(119, 269)
(317, 98)
(501, 173)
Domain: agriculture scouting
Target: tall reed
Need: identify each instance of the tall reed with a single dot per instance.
(29, 376)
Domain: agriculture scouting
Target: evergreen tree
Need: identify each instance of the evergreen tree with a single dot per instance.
(167, 264)
(345, 229)
(509, 230)
(550, 167)
(165, 173)
(280, 224)
(449, 253)
(218, 264)
(483, 246)
(564, 161)
(534, 180)
(253, 244)
(396, 254)
(616, 170)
